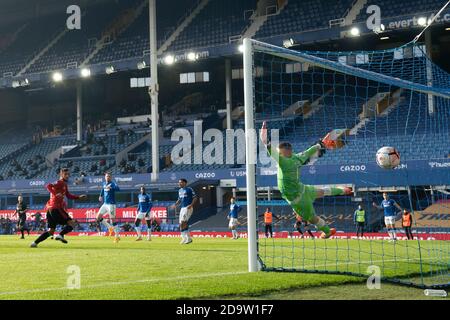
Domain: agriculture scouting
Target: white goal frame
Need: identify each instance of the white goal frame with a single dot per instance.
(250, 149)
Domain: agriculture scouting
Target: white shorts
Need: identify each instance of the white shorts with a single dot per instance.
(142, 215)
(389, 220)
(185, 214)
(109, 209)
(233, 223)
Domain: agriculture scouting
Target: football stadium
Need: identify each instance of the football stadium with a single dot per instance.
(224, 150)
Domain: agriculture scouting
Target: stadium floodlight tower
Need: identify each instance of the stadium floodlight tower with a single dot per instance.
(154, 89)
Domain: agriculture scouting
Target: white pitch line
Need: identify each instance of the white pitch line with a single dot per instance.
(200, 276)
(119, 283)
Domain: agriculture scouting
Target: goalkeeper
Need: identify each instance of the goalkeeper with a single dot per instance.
(300, 196)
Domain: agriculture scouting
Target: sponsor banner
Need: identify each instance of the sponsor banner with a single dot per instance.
(417, 172)
(91, 213)
(406, 22)
(278, 235)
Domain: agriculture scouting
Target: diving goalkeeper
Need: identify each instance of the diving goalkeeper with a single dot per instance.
(300, 196)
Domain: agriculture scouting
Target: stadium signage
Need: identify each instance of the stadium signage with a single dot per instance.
(238, 173)
(277, 235)
(413, 21)
(124, 179)
(416, 172)
(97, 179)
(37, 183)
(353, 168)
(91, 213)
(402, 166)
(439, 164)
(204, 175)
(267, 171)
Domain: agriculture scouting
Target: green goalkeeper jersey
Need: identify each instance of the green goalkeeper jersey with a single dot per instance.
(289, 169)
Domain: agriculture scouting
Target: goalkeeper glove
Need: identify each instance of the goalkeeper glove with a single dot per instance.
(322, 148)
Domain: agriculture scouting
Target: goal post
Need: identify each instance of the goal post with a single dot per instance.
(369, 99)
(250, 149)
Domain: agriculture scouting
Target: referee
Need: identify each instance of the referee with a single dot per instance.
(21, 211)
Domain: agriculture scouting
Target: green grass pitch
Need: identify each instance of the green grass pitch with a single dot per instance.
(164, 269)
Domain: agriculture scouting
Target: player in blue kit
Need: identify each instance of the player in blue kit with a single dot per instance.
(144, 212)
(186, 200)
(389, 206)
(233, 217)
(108, 197)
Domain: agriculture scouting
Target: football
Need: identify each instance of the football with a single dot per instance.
(388, 158)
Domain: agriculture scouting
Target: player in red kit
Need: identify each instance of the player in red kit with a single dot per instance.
(57, 209)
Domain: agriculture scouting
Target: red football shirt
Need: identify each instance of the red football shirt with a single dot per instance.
(58, 191)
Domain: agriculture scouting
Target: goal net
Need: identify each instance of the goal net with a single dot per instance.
(368, 99)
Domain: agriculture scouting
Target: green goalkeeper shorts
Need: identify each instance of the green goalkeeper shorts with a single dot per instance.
(302, 201)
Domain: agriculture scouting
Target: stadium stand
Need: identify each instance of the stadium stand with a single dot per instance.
(80, 168)
(320, 109)
(98, 156)
(134, 41)
(412, 131)
(401, 128)
(75, 46)
(337, 211)
(128, 34)
(399, 8)
(215, 24)
(30, 39)
(32, 161)
(7, 149)
(435, 216)
(300, 15)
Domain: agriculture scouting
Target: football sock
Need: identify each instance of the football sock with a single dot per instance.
(138, 230)
(106, 224)
(66, 230)
(42, 237)
(391, 233)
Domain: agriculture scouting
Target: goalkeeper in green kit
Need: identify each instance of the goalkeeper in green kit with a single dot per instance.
(300, 196)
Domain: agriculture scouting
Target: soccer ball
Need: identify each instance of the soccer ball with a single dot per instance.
(388, 158)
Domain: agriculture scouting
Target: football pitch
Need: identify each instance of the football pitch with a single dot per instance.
(163, 269)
